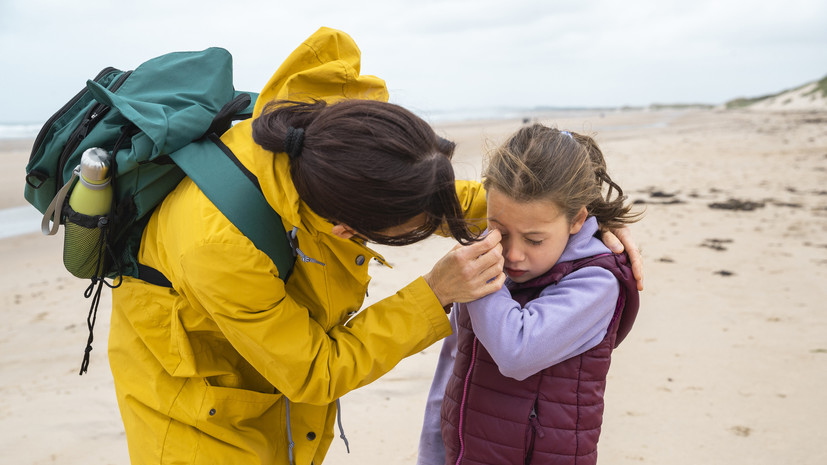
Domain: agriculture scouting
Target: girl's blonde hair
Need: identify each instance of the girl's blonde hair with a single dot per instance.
(541, 163)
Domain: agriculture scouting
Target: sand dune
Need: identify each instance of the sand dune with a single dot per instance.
(808, 97)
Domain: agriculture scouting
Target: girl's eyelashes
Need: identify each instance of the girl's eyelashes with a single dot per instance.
(504, 236)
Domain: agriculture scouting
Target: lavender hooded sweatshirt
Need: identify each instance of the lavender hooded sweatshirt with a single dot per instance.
(566, 320)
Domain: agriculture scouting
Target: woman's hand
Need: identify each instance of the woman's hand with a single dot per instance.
(468, 272)
(620, 239)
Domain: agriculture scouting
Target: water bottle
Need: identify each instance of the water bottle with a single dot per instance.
(90, 200)
(92, 195)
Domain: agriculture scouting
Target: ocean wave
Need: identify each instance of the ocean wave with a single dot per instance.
(19, 131)
(17, 221)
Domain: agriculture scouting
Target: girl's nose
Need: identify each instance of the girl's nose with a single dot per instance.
(512, 254)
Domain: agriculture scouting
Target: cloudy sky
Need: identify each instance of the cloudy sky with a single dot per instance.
(435, 54)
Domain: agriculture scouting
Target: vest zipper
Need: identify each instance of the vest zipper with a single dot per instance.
(536, 430)
(464, 398)
(535, 423)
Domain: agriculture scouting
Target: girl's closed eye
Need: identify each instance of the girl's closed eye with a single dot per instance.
(533, 242)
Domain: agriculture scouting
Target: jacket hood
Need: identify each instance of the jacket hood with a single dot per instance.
(325, 66)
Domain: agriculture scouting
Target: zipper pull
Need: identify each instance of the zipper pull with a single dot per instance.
(83, 130)
(307, 259)
(291, 237)
(89, 121)
(535, 424)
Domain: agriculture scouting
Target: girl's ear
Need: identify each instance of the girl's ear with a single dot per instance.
(343, 231)
(578, 221)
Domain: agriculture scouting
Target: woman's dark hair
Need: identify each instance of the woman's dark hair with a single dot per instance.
(370, 165)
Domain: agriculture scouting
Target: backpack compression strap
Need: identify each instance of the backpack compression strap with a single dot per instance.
(236, 192)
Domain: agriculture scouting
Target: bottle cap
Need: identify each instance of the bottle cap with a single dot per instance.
(94, 165)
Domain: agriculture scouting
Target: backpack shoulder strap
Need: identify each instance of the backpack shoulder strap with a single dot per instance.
(236, 192)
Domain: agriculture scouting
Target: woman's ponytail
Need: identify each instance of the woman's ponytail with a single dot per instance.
(272, 128)
(367, 164)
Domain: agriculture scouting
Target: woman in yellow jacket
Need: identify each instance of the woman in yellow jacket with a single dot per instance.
(233, 366)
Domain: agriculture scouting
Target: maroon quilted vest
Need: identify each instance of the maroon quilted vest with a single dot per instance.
(552, 417)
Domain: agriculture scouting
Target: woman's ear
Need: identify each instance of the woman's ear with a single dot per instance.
(578, 221)
(343, 231)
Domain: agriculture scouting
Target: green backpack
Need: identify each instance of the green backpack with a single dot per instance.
(159, 123)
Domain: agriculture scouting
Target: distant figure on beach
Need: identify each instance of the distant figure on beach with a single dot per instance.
(231, 365)
(522, 378)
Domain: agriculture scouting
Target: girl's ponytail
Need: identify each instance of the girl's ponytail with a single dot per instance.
(542, 163)
(611, 212)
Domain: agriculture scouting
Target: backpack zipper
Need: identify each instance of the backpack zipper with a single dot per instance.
(62, 111)
(93, 116)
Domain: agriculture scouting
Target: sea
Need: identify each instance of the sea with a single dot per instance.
(25, 219)
(19, 130)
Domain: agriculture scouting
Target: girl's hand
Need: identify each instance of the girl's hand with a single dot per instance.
(469, 272)
(618, 240)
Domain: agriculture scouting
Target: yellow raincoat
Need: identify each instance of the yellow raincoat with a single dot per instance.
(209, 372)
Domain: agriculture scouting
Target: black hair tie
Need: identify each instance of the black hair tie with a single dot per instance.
(293, 142)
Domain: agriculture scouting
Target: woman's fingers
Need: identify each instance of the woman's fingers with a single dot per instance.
(612, 242)
(480, 248)
(468, 272)
(621, 238)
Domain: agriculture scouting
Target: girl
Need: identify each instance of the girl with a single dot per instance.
(522, 378)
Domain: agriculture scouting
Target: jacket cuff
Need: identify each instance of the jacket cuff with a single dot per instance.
(430, 307)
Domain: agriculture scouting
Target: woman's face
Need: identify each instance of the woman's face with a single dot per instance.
(346, 232)
(534, 234)
(407, 227)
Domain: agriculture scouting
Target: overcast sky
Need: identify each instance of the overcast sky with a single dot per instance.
(435, 54)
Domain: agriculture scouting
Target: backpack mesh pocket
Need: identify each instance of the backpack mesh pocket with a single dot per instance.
(84, 243)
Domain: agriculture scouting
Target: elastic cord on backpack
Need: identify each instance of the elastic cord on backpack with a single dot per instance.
(99, 279)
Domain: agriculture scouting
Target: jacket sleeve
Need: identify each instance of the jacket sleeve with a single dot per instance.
(286, 345)
(565, 320)
(471, 196)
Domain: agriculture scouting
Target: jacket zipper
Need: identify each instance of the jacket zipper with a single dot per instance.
(464, 398)
(93, 116)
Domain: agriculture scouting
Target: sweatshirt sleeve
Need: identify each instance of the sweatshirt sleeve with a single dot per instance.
(431, 447)
(566, 320)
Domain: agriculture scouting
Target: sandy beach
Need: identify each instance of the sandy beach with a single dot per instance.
(727, 363)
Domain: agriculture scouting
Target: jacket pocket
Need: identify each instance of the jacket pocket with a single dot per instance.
(240, 426)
